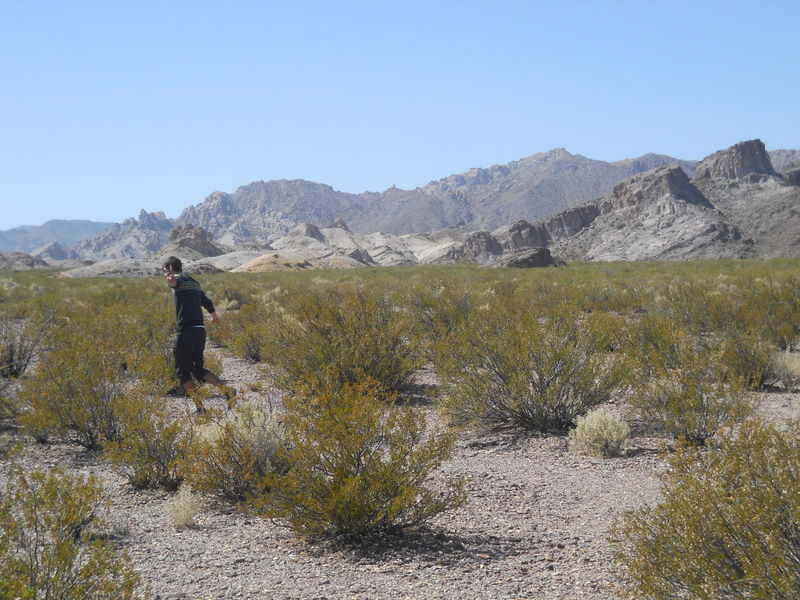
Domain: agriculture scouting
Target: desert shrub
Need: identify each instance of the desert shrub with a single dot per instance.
(599, 433)
(330, 336)
(18, 343)
(746, 356)
(655, 344)
(693, 403)
(511, 365)
(19, 340)
(153, 446)
(183, 507)
(785, 367)
(233, 456)
(727, 526)
(357, 465)
(438, 308)
(48, 547)
(75, 391)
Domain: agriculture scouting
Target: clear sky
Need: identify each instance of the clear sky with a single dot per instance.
(111, 106)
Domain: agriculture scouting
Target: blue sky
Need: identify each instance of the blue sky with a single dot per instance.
(112, 106)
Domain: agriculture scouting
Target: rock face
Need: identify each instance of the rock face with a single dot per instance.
(655, 215)
(737, 162)
(53, 251)
(527, 259)
(265, 211)
(133, 238)
(19, 261)
(188, 242)
(761, 203)
(784, 160)
(792, 177)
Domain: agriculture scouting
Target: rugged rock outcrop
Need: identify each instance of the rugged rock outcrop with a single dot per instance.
(19, 261)
(655, 215)
(527, 259)
(133, 238)
(784, 160)
(188, 242)
(744, 159)
(759, 202)
(53, 251)
(792, 177)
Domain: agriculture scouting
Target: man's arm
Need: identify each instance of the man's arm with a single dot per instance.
(209, 306)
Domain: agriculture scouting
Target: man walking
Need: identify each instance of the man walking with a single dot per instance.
(191, 341)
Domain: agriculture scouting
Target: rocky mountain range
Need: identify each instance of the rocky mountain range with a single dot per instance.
(734, 203)
(534, 187)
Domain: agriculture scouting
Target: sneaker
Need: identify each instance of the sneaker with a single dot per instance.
(176, 392)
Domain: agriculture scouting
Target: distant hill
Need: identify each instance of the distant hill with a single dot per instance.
(746, 209)
(66, 232)
(534, 187)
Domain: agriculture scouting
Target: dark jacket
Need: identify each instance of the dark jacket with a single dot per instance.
(189, 298)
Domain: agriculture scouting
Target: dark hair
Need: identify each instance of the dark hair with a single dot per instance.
(175, 263)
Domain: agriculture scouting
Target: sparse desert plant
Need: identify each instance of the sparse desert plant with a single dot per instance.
(47, 544)
(726, 527)
(183, 507)
(75, 392)
(152, 446)
(785, 367)
(694, 403)
(514, 366)
(745, 355)
(233, 456)
(599, 433)
(19, 340)
(330, 336)
(357, 465)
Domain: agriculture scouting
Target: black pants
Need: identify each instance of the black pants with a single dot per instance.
(188, 353)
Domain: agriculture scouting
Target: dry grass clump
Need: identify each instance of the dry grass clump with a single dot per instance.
(183, 507)
(785, 366)
(599, 433)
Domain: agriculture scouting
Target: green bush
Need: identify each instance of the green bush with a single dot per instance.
(746, 356)
(599, 433)
(511, 365)
(329, 336)
(153, 446)
(48, 542)
(76, 391)
(727, 526)
(233, 456)
(691, 397)
(19, 341)
(357, 465)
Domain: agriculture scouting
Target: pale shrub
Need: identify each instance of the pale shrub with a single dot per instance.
(785, 366)
(183, 507)
(599, 433)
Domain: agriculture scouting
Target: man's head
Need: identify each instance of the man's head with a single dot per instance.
(173, 263)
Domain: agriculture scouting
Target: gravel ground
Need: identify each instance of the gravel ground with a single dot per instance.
(534, 526)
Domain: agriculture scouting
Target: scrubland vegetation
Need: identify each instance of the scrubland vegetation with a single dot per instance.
(677, 348)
